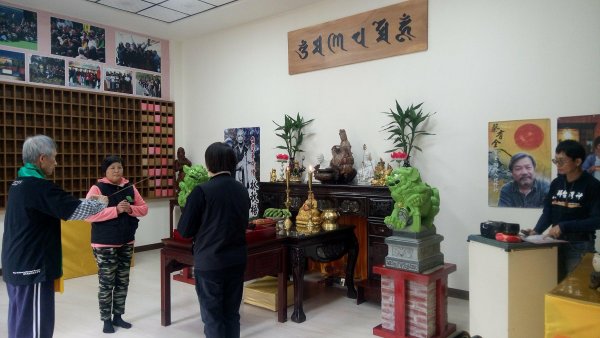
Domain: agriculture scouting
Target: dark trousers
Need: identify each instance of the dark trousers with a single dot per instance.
(220, 294)
(31, 310)
(570, 255)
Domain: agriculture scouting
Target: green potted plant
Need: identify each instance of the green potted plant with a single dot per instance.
(404, 130)
(291, 132)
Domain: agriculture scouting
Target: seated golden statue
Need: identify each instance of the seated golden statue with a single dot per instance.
(309, 211)
(380, 173)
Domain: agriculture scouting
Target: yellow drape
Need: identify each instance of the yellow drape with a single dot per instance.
(78, 259)
(572, 309)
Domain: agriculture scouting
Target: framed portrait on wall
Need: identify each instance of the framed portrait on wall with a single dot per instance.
(18, 28)
(519, 166)
(77, 40)
(584, 129)
(246, 143)
(47, 70)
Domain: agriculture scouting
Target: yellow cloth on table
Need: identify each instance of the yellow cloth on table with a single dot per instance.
(263, 292)
(78, 259)
(572, 309)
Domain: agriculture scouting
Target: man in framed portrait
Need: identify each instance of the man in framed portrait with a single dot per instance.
(525, 190)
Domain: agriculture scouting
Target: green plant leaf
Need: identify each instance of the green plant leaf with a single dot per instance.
(404, 128)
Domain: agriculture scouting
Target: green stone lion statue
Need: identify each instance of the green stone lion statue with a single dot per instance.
(194, 175)
(415, 202)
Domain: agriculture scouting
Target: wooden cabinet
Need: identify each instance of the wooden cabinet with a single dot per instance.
(88, 126)
(371, 203)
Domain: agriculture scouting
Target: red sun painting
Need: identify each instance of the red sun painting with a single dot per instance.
(529, 136)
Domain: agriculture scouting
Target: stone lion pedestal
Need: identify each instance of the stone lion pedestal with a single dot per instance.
(414, 286)
(414, 251)
(414, 280)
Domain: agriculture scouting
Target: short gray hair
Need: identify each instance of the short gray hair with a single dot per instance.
(37, 145)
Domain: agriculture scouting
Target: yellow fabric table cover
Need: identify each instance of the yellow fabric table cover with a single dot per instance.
(78, 259)
(572, 309)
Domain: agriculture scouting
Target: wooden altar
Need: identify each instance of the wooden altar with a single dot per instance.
(365, 206)
(268, 256)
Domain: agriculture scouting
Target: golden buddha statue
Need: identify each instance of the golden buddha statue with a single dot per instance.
(380, 174)
(309, 213)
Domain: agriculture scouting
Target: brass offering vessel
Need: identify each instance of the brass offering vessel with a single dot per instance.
(329, 217)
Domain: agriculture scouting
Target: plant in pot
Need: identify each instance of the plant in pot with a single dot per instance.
(291, 132)
(404, 130)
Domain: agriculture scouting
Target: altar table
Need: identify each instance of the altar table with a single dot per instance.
(269, 257)
(572, 309)
(264, 258)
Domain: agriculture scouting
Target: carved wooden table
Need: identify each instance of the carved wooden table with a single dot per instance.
(371, 204)
(265, 257)
(324, 246)
(268, 257)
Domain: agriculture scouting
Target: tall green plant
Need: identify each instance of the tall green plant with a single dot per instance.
(404, 127)
(291, 133)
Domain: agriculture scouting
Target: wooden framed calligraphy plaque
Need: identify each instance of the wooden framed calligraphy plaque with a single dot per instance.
(380, 33)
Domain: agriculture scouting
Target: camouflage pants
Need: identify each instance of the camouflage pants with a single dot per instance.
(113, 274)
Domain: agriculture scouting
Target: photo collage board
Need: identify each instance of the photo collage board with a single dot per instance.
(78, 55)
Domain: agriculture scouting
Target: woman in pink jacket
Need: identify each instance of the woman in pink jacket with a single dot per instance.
(113, 235)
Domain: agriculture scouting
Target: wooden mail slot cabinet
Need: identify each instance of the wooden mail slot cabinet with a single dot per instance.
(88, 126)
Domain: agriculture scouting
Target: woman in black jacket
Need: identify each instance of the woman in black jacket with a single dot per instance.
(216, 216)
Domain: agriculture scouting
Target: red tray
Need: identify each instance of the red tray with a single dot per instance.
(260, 233)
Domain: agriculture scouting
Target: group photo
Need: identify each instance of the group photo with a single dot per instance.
(18, 28)
(77, 40)
(138, 52)
(47, 70)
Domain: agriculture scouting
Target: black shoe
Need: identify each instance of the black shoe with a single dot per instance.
(108, 327)
(118, 321)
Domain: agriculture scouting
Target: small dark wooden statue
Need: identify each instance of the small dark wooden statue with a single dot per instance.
(180, 161)
(342, 162)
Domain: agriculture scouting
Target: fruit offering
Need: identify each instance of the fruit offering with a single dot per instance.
(274, 212)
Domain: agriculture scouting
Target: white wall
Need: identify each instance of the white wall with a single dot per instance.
(487, 61)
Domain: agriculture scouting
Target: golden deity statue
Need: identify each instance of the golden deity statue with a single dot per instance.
(381, 173)
(309, 214)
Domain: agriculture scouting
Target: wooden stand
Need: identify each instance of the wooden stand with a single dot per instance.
(186, 274)
(401, 278)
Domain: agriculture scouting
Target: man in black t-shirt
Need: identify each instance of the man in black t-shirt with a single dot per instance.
(571, 207)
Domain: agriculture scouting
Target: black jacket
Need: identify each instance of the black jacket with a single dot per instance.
(120, 230)
(216, 216)
(31, 246)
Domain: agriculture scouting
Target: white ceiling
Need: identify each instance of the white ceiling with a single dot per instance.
(167, 11)
(221, 14)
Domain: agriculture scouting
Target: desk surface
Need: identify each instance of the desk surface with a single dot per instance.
(510, 246)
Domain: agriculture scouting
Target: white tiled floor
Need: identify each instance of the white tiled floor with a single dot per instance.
(328, 312)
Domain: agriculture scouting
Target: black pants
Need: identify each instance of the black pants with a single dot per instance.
(220, 294)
